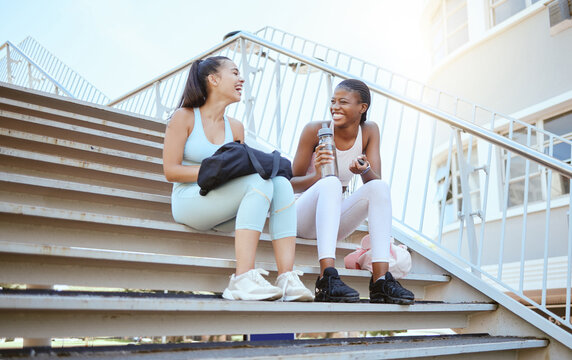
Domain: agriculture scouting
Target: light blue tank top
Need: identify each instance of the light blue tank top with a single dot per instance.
(198, 147)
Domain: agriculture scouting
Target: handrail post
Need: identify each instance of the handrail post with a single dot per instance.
(248, 100)
(465, 168)
(9, 62)
(278, 109)
(160, 108)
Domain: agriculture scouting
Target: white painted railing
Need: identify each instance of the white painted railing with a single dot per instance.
(32, 66)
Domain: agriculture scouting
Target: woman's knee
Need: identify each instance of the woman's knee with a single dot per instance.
(282, 186)
(283, 195)
(380, 188)
(261, 185)
(330, 184)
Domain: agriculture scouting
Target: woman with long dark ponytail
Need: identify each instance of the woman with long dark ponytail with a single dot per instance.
(323, 212)
(195, 131)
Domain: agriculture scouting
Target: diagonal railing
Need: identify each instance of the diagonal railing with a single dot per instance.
(30, 65)
(427, 149)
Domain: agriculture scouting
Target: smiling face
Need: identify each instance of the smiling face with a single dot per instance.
(227, 82)
(346, 107)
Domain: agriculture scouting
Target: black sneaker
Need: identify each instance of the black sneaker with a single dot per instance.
(330, 288)
(389, 291)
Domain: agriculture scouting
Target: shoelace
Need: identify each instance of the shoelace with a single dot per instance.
(256, 276)
(291, 275)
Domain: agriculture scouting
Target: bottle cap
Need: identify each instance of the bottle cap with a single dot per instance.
(325, 130)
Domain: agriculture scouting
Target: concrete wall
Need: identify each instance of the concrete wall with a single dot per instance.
(513, 69)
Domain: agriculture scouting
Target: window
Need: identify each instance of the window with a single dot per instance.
(500, 10)
(560, 125)
(449, 28)
(517, 172)
(454, 196)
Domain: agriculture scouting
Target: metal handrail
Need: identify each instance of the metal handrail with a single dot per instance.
(379, 69)
(466, 126)
(39, 68)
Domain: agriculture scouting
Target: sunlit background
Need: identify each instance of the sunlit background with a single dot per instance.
(119, 44)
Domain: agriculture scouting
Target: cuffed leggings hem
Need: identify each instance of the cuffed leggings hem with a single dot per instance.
(249, 227)
(282, 235)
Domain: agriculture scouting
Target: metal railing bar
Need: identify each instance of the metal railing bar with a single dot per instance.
(82, 89)
(42, 57)
(414, 143)
(42, 71)
(448, 177)
(275, 75)
(427, 175)
(77, 83)
(397, 141)
(385, 109)
(485, 197)
(66, 77)
(147, 99)
(169, 92)
(569, 278)
(152, 93)
(524, 215)
(244, 71)
(293, 88)
(277, 108)
(547, 226)
(140, 97)
(260, 78)
(318, 88)
(505, 206)
(176, 88)
(301, 101)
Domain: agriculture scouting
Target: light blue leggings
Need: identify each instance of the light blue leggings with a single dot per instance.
(248, 198)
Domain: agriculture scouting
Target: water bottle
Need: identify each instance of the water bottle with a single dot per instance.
(326, 136)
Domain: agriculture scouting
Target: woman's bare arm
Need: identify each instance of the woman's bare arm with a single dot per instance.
(178, 129)
(306, 147)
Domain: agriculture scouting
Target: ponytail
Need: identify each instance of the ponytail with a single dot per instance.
(195, 91)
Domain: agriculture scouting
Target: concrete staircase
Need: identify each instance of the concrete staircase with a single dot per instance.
(83, 203)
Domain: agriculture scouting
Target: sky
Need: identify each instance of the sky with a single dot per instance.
(118, 45)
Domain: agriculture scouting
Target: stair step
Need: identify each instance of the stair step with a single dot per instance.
(54, 314)
(32, 161)
(26, 223)
(74, 150)
(471, 346)
(43, 264)
(41, 141)
(72, 128)
(72, 110)
(18, 181)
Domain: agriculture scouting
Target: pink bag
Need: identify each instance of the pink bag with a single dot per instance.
(399, 263)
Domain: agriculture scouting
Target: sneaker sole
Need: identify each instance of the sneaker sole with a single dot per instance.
(353, 299)
(392, 300)
(238, 295)
(298, 298)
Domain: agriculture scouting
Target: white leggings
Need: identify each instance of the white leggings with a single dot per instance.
(324, 214)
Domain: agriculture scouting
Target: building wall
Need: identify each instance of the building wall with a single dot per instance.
(511, 69)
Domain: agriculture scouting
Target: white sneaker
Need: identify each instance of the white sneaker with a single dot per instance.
(292, 287)
(251, 286)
